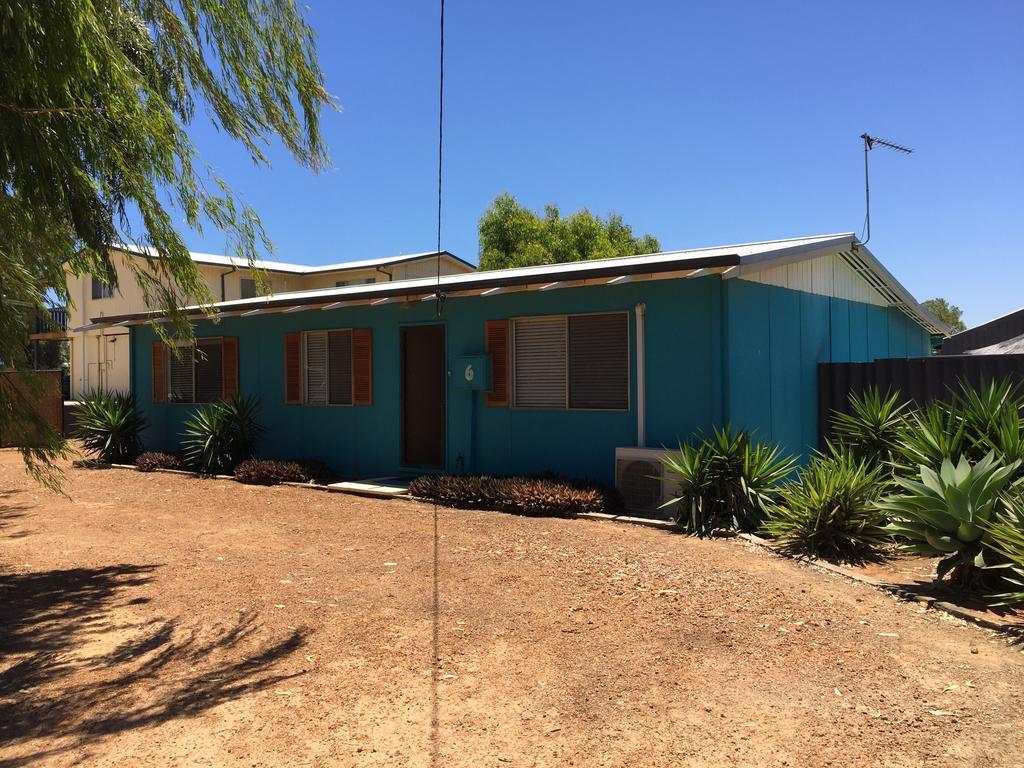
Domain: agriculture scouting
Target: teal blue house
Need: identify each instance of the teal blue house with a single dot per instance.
(541, 368)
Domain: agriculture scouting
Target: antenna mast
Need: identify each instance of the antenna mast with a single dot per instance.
(870, 142)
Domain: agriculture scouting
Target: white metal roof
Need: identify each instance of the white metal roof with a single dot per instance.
(297, 269)
(729, 261)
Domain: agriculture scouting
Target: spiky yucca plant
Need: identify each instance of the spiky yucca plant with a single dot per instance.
(110, 426)
(946, 514)
(872, 426)
(221, 435)
(829, 511)
(726, 480)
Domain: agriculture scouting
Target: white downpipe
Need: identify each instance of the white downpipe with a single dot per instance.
(641, 394)
(83, 368)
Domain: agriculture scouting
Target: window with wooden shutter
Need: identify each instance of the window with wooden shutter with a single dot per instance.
(496, 345)
(315, 367)
(539, 375)
(230, 367)
(159, 371)
(599, 361)
(293, 367)
(362, 366)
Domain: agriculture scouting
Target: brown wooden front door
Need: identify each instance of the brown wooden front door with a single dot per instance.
(423, 396)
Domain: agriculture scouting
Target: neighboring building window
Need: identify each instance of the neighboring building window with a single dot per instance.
(101, 290)
(576, 362)
(327, 367)
(196, 374)
(341, 283)
(370, 280)
(249, 288)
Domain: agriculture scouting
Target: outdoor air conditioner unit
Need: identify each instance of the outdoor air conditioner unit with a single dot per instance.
(641, 479)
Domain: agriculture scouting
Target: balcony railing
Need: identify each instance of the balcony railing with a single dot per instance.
(55, 319)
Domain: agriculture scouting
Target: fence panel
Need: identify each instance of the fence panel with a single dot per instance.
(920, 379)
(48, 402)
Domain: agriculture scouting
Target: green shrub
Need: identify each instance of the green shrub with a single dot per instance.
(270, 472)
(871, 428)
(543, 496)
(726, 481)
(947, 514)
(829, 511)
(220, 436)
(151, 460)
(110, 426)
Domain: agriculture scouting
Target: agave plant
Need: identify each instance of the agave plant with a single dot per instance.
(947, 512)
(975, 421)
(110, 426)
(221, 435)
(872, 426)
(726, 481)
(829, 511)
(1006, 539)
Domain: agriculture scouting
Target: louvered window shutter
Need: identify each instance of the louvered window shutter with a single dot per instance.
(362, 366)
(293, 368)
(230, 362)
(339, 360)
(315, 368)
(182, 375)
(539, 346)
(159, 370)
(496, 345)
(599, 361)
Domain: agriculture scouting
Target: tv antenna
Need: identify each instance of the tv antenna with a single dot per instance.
(870, 142)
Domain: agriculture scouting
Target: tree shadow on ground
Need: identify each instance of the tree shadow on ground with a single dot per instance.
(77, 663)
(9, 515)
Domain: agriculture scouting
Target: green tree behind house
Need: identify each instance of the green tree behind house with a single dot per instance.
(948, 313)
(512, 235)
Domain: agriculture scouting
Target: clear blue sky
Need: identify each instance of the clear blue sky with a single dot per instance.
(701, 123)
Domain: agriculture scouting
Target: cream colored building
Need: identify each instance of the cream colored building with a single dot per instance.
(100, 355)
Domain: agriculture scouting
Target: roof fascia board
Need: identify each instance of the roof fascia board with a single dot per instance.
(924, 316)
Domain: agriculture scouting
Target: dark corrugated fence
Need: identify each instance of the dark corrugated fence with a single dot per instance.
(920, 379)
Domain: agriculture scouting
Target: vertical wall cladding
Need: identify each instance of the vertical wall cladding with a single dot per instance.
(683, 382)
(775, 339)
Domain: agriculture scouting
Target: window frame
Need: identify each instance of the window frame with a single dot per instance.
(105, 291)
(194, 345)
(568, 407)
(327, 368)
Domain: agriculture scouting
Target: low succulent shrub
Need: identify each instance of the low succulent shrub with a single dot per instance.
(948, 513)
(539, 496)
(829, 511)
(270, 472)
(219, 436)
(726, 480)
(110, 426)
(152, 460)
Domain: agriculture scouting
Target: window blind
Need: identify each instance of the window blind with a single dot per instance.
(181, 382)
(539, 350)
(316, 367)
(339, 360)
(599, 361)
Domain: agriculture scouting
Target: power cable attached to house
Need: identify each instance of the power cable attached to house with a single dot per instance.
(439, 296)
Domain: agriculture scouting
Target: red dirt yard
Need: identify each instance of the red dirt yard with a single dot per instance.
(154, 619)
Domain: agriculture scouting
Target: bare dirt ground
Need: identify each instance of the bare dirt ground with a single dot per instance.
(170, 621)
